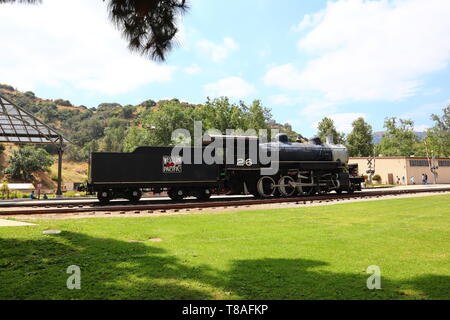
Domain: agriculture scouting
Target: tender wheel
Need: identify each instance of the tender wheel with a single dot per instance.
(350, 189)
(338, 191)
(265, 187)
(104, 196)
(176, 194)
(134, 195)
(203, 194)
(285, 188)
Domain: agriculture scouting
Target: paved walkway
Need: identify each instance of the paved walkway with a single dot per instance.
(412, 187)
(13, 223)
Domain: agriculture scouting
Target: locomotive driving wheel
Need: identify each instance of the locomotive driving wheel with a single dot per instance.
(265, 186)
(306, 190)
(286, 188)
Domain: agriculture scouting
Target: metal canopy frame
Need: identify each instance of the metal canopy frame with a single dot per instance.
(20, 126)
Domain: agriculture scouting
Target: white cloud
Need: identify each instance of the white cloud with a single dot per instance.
(308, 21)
(285, 76)
(431, 92)
(284, 99)
(218, 52)
(68, 44)
(193, 69)
(342, 121)
(232, 87)
(316, 109)
(421, 127)
(369, 50)
(424, 111)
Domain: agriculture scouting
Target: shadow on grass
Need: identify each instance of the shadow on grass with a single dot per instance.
(110, 269)
(114, 269)
(297, 279)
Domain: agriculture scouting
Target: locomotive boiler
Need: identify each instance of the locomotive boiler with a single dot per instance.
(242, 165)
(303, 169)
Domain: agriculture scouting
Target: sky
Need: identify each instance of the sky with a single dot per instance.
(304, 59)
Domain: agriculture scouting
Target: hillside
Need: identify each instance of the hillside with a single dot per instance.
(111, 127)
(59, 114)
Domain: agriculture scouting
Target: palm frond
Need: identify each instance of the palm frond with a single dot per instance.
(149, 26)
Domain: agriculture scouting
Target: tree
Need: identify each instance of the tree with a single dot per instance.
(74, 153)
(113, 140)
(286, 128)
(326, 127)
(438, 137)
(127, 111)
(149, 26)
(27, 160)
(256, 116)
(62, 102)
(359, 141)
(220, 114)
(399, 138)
(158, 123)
(87, 131)
(4, 189)
(161, 121)
(136, 137)
(148, 103)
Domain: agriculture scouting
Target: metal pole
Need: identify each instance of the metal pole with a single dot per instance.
(60, 153)
(434, 169)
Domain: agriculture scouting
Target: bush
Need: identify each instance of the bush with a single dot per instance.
(148, 103)
(7, 87)
(376, 178)
(4, 190)
(127, 111)
(107, 105)
(27, 160)
(13, 195)
(63, 102)
(74, 193)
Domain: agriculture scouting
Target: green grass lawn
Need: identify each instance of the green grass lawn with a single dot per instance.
(305, 253)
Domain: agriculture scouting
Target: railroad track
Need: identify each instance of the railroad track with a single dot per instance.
(94, 203)
(168, 205)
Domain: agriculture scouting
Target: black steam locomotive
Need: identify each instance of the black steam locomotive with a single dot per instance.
(301, 169)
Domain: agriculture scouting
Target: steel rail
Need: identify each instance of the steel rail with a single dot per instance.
(170, 205)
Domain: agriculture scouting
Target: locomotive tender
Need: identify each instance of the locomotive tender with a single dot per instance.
(301, 169)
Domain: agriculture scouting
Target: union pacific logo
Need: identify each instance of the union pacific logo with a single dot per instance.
(172, 164)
